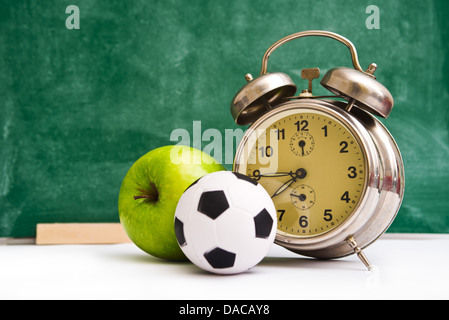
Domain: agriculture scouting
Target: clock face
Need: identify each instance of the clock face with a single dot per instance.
(311, 164)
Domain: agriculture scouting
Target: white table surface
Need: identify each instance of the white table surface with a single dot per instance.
(407, 266)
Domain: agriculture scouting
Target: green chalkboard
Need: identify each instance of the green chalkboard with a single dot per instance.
(79, 106)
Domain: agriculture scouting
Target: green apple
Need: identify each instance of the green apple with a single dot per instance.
(150, 192)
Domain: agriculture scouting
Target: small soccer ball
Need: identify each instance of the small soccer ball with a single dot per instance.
(225, 222)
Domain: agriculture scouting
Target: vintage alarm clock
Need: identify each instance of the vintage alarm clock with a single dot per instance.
(333, 170)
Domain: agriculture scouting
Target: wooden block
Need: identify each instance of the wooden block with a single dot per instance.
(80, 233)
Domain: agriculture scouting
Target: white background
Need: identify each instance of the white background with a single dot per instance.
(406, 267)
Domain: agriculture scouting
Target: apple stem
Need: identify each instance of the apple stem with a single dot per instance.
(140, 197)
(151, 194)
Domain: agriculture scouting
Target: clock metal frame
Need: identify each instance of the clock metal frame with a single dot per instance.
(271, 93)
(384, 181)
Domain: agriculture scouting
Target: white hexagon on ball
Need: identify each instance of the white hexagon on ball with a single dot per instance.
(225, 222)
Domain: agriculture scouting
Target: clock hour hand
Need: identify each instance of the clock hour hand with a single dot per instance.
(275, 174)
(268, 175)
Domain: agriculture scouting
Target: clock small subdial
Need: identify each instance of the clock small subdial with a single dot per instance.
(302, 143)
(303, 197)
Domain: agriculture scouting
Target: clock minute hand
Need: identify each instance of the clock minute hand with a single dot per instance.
(299, 174)
(283, 187)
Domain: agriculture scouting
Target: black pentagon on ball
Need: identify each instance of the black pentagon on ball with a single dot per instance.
(213, 203)
(264, 224)
(246, 178)
(219, 258)
(179, 232)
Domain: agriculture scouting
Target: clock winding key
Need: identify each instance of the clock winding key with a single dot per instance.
(310, 74)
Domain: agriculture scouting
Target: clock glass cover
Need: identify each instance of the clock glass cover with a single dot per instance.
(311, 164)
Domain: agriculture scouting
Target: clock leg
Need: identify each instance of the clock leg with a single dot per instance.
(351, 241)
